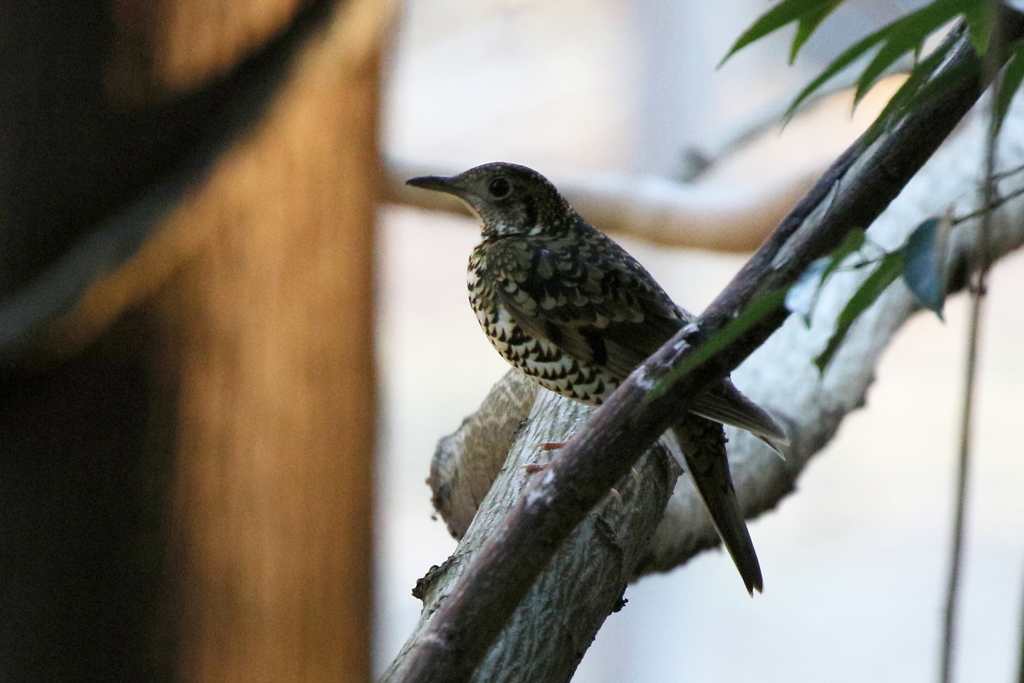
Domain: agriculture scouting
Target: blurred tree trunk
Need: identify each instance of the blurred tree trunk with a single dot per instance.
(251, 393)
(269, 332)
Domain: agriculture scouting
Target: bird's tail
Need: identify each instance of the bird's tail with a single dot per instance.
(704, 457)
(724, 403)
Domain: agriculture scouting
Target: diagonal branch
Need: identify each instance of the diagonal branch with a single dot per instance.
(852, 193)
(550, 636)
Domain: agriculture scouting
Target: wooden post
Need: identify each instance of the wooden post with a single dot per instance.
(259, 287)
(268, 328)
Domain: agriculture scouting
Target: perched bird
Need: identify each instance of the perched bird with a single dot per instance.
(569, 307)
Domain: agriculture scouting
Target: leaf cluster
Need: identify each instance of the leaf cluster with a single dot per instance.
(883, 48)
(921, 261)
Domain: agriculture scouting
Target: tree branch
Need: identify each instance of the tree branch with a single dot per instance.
(553, 628)
(855, 190)
(733, 218)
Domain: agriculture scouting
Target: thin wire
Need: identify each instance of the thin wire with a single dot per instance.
(980, 267)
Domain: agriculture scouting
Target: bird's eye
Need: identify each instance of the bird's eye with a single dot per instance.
(499, 187)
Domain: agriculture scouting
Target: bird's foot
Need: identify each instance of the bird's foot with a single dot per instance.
(534, 467)
(551, 445)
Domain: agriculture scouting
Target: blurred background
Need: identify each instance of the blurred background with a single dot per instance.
(226, 355)
(856, 560)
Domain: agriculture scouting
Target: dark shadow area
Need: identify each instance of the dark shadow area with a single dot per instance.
(79, 521)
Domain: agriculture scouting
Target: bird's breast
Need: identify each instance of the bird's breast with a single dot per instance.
(539, 358)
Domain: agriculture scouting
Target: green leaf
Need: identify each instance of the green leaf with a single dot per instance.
(921, 86)
(920, 75)
(748, 317)
(853, 241)
(924, 262)
(782, 14)
(906, 35)
(837, 65)
(808, 23)
(980, 18)
(802, 296)
(1010, 84)
(887, 271)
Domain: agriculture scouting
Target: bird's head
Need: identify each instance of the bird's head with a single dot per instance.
(509, 199)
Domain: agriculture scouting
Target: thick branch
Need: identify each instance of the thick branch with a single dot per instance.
(857, 188)
(552, 629)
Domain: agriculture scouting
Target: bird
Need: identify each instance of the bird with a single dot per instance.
(565, 304)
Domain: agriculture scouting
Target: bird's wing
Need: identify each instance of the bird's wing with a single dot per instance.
(724, 403)
(598, 304)
(593, 301)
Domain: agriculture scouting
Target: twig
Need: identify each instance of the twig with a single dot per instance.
(700, 160)
(992, 66)
(1020, 664)
(988, 209)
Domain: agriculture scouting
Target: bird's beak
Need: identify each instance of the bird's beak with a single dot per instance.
(436, 183)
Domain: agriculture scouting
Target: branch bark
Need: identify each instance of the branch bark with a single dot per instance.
(599, 556)
(459, 629)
